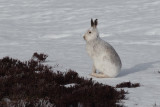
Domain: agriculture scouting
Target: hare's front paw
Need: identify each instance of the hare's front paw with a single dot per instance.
(92, 74)
(99, 75)
(95, 75)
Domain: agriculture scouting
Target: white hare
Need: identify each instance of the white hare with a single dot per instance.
(105, 58)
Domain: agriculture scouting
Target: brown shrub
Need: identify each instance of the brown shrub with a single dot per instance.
(30, 82)
(128, 85)
(39, 57)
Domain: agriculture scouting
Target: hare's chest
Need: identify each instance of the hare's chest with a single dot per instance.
(94, 50)
(90, 50)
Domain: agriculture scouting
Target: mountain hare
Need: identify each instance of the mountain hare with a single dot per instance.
(105, 58)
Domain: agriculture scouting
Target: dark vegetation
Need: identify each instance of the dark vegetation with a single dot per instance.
(128, 85)
(39, 57)
(34, 84)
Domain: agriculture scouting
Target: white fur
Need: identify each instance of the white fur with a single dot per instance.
(105, 58)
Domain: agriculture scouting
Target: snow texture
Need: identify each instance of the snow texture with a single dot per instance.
(56, 27)
(70, 85)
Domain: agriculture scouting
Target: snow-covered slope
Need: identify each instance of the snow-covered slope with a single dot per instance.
(56, 27)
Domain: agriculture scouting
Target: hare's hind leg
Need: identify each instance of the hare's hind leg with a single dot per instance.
(99, 75)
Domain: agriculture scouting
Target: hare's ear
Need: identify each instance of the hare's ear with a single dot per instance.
(92, 23)
(96, 22)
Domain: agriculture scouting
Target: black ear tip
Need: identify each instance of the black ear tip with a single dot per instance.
(96, 22)
(92, 23)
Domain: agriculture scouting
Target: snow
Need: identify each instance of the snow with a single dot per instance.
(56, 27)
(70, 85)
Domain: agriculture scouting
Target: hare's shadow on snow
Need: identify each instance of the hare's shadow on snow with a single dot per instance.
(137, 68)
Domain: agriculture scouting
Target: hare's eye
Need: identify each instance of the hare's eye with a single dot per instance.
(89, 31)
